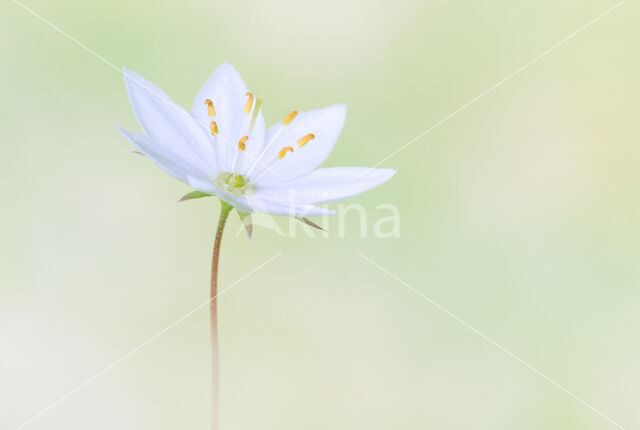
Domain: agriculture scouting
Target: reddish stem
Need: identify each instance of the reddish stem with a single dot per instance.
(215, 365)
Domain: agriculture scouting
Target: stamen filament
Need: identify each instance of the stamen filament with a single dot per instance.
(213, 126)
(265, 170)
(285, 122)
(281, 155)
(254, 117)
(244, 132)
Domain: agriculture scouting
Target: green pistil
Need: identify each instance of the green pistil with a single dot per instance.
(233, 184)
(238, 181)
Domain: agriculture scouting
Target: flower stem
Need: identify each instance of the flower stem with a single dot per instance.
(225, 208)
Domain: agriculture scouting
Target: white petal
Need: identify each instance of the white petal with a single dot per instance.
(325, 124)
(280, 205)
(172, 163)
(283, 207)
(226, 89)
(168, 124)
(330, 184)
(257, 203)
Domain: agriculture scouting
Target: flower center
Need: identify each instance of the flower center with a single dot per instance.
(238, 184)
(234, 184)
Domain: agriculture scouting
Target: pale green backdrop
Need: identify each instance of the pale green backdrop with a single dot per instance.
(519, 215)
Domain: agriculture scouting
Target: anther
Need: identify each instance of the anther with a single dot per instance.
(214, 128)
(284, 151)
(248, 103)
(305, 139)
(287, 119)
(210, 109)
(242, 143)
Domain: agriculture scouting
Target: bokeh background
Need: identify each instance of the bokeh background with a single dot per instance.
(520, 215)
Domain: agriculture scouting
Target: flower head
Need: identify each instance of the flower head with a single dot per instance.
(223, 148)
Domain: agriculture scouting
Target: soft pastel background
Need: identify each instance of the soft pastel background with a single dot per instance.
(520, 215)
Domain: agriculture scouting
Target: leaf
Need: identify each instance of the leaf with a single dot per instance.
(247, 223)
(193, 195)
(310, 223)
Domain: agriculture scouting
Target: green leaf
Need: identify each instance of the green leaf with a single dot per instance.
(193, 195)
(310, 223)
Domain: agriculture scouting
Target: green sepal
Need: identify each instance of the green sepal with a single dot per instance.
(225, 207)
(193, 195)
(245, 217)
(310, 223)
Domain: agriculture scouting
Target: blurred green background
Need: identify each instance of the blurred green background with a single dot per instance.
(520, 215)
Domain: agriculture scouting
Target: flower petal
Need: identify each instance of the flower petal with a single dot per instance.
(278, 205)
(226, 89)
(172, 163)
(325, 125)
(169, 125)
(259, 203)
(330, 184)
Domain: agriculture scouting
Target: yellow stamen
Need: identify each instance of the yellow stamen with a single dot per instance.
(305, 139)
(214, 128)
(242, 143)
(210, 109)
(287, 119)
(284, 151)
(249, 103)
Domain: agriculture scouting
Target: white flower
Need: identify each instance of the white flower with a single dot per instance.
(222, 148)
